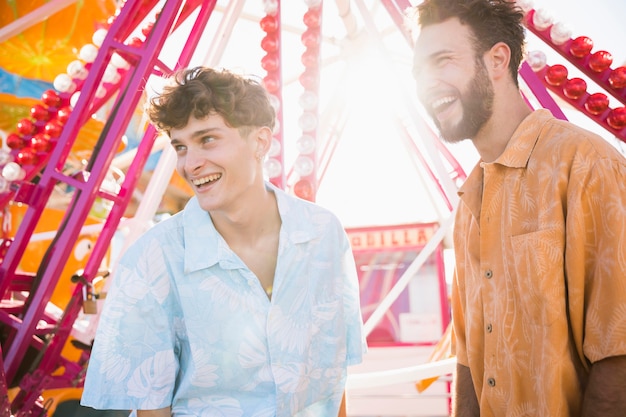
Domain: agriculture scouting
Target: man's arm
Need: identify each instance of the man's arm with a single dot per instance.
(161, 412)
(604, 395)
(465, 403)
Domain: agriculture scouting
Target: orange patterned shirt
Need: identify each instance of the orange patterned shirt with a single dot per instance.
(540, 287)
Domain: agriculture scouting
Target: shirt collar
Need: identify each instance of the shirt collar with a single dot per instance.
(205, 247)
(520, 147)
(516, 155)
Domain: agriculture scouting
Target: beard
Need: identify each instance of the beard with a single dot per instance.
(477, 105)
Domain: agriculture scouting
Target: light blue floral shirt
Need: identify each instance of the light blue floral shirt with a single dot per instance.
(186, 324)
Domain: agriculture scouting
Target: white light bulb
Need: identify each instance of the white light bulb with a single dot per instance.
(525, 5)
(560, 33)
(305, 144)
(274, 102)
(64, 83)
(101, 92)
(77, 70)
(98, 37)
(537, 60)
(312, 3)
(111, 75)
(270, 7)
(119, 62)
(308, 100)
(304, 166)
(13, 172)
(272, 167)
(74, 99)
(542, 19)
(307, 122)
(88, 53)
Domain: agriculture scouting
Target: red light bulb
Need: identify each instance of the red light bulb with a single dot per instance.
(310, 58)
(39, 113)
(309, 80)
(310, 38)
(40, 142)
(617, 79)
(617, 118)
(269, 43)
(64, 114)
(15, 141)
(312, 18)
(581, 46)
(574, 88)
(147, 28)
(600, 61)
(51, 98)
(269, 24)
(135, 42)
(556, 74)
(53, 129)
(26, 156)
(270, 62)
(271, 84)
(26, 127)
(596, 103)
(303, 189)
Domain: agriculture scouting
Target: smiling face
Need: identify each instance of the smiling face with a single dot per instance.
(222, 167)
(453, 84)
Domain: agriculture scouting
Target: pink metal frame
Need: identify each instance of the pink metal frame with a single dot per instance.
(24, 321)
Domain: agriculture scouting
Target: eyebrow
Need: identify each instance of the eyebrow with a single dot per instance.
(196, 134)
(437, 54)
(419, 63)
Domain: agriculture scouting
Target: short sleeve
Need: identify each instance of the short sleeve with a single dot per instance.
(133, 363)
(356, 342)
(596, 260)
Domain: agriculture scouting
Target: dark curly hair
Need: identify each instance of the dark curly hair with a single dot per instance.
(491, 21)
(201, 91)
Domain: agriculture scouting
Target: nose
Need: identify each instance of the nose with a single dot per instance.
(192, 161)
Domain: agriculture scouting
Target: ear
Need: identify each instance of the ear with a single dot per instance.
(497, 60)
(263, 140)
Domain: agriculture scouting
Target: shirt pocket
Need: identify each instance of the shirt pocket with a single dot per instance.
(535, 269)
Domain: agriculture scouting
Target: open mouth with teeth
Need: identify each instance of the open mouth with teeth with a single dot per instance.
(204, 181)
(442, 104)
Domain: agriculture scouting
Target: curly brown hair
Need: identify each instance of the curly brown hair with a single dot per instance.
(491, 21)
(202, 91)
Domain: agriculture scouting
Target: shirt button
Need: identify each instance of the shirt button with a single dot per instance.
(488, 274)
(491, 382)
(489, 328)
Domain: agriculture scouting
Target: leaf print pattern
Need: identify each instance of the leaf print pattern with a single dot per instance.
(550, 227)
(187, 325)
(152, 380)
(204, 372)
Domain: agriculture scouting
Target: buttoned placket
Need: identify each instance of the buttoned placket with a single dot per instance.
(489, 233)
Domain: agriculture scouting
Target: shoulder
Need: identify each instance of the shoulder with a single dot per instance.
(567, 137)
(159, 238)
(302, 211)
(305, 221)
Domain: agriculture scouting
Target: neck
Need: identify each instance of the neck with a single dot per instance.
(251, 221)
(493, 138)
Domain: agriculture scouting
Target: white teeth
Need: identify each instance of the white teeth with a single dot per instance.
(204, 180)
(440, 102)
